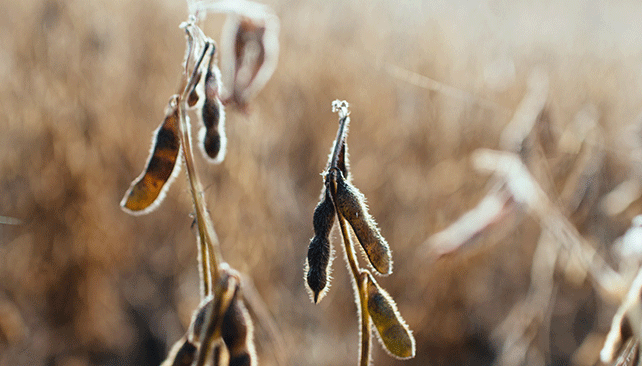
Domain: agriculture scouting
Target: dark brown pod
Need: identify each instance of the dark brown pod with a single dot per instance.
(319, 250)
(351, 205)
(193, 97)
(237, 333)
(182, 354)
(218, 356)
(148, 190)
(393, 332)
(198, 319)
(212, 115)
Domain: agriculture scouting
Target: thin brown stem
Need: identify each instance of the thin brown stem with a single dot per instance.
(331, 183)
(344, 121)
(364, 316)
(208, 243)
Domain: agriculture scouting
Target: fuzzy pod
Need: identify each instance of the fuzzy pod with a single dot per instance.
(393, 332)
(351, 204)
(182, 353)
(193, 97)
(198, 319)
(319, 250)
(148, 190)
(238, 333)
(212, 114)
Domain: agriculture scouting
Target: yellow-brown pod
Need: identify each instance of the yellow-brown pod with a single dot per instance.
(393, 332)
(148, 190)
(351, 205)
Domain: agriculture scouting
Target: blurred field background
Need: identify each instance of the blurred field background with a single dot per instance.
(84, 83)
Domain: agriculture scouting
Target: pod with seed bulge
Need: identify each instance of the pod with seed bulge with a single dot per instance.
(393, 332)
(148, 190)
(319, 251)
(237, 333)
(351, 205)
(212, 115)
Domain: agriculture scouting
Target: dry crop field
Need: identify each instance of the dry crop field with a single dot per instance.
(83, 84)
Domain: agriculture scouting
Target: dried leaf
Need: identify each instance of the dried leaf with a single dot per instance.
(250, 49)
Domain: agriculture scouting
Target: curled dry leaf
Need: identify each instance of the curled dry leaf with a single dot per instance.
(350, 203)
(250, 50)
(319, 250)
(393, 332)
(148, 190)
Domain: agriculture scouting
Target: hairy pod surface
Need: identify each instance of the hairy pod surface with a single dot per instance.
(148, 190)
(237, 332)
(350, 204)
(394, 334)
(198, 319)
(182, 354)
(319, 250)
(212, 114)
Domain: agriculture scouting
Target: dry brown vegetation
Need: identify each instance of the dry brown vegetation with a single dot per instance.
(84, 83)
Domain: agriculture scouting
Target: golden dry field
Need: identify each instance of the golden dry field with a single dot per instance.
(83, 85)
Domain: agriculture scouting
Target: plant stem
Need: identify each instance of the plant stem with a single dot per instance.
(364, 316)
(208, 243)
(341, 136)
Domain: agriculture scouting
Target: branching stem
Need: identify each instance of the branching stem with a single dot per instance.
(208, 243)
(364, 320)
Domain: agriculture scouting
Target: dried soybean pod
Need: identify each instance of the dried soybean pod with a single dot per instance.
(394, 334)
(319, 250)
(193, 97)
(237, 333)
(218, 356)
(198, 319)
(224, 291)
(212, 114)
(182, 354)
(351, 205)
(148, 190)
